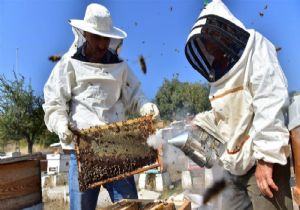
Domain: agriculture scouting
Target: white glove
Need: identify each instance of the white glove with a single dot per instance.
(150, 109)
(65, 135)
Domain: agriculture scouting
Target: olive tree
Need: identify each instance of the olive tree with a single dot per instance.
(21, 112)
(175, 99)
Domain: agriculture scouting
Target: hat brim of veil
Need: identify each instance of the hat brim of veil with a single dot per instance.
(114, 32)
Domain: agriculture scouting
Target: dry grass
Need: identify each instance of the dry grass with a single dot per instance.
(11, 147)
(56, 205)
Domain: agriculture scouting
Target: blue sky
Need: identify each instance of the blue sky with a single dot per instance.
(157, 29)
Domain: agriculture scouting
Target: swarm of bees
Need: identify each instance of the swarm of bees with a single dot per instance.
(111, 152)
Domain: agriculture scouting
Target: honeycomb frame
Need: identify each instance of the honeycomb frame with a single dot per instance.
(114, 151)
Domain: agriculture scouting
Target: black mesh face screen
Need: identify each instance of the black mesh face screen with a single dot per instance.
(215, 50)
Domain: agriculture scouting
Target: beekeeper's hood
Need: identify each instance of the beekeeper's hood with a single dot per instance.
(97, 20)
(216, 42)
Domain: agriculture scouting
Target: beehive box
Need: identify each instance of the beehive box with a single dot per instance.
(20, 183)
(135, 204)
(114, 151)
(57, 163)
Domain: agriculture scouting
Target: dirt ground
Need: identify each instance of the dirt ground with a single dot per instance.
(56, 205)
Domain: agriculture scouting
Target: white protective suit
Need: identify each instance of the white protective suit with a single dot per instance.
(247, 102)
(90, 94)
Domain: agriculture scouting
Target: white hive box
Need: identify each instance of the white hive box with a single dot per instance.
(57, 163)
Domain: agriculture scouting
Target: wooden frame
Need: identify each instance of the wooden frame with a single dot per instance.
(146, 204)
(91, 144)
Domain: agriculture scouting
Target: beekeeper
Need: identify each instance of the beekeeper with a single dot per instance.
(92, 86)
(248, 96)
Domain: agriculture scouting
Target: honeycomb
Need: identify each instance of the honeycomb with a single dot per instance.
(114, 151)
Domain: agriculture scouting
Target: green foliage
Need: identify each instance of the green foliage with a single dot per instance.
(176, 99)
(21, 112)
(47, 138)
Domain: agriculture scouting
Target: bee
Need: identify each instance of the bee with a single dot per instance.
(143, 64)
(215, 189)
(265, 8)
(278, 49)
(54, 58)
